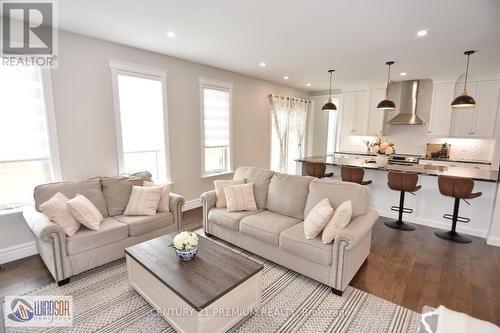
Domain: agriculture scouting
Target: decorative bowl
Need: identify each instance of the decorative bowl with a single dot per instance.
(186, 254)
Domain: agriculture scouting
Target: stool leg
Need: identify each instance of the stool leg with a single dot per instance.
(399, 224)
(452, 235)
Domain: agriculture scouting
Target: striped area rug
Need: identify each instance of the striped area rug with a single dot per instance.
(103, 302)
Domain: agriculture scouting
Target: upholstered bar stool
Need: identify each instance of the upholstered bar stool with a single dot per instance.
(403, 182)
(458, 188)
(317, 169)
(354, 175)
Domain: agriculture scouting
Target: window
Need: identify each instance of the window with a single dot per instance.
(139, 115)
(28, 154)
(216, 126)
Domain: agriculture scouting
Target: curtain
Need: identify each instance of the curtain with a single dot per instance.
(298, 120)
(280, 114)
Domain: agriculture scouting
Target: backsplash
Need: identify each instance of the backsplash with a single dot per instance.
(469, 149)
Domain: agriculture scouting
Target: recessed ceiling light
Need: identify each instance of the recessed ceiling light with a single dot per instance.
(171, 34)
(403, 74)
(308, 84)
(285, 77)
(262, 64)
(422, 33)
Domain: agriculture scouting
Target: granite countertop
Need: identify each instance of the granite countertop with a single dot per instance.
(422, 157)
(431, 170)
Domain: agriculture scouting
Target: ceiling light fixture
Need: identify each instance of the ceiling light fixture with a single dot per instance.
(308, 84)
(422, 33)
(387, 104)
(402, 74)
(262, 64)
(285, 77)
(329, 106)
(171, 34)
(464, 100)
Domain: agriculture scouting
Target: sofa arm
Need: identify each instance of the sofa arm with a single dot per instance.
(208, 200)
(41, 226)
(176, 202)
(357, 229)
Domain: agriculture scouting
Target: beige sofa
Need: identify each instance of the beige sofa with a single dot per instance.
(275, 231)
(67, 256)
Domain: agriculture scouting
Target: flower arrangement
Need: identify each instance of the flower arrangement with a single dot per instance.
(382, 147)
(185, 245)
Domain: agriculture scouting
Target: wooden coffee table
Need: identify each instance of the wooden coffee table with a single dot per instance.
(209, 293)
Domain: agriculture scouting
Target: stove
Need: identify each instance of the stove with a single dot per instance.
(400, 159)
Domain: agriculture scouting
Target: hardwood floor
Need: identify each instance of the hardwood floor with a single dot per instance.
(411, 269)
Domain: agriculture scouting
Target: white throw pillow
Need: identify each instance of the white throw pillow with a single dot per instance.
(317, 219)
(219, 191)
(143, 201)
(164, 204)
(56, 208)
(85, 212)
(339, 221)
(240, 197)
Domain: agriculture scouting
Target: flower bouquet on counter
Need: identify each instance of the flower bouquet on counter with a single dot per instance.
(383, 149)
(185, 245)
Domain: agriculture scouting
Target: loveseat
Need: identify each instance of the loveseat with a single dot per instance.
(67, 256)
(275, 231)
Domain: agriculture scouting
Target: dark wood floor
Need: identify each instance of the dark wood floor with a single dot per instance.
(411, 269)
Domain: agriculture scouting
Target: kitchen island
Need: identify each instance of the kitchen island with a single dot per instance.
(428, 204)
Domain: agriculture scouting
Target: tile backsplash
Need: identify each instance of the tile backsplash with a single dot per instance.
(469, 149)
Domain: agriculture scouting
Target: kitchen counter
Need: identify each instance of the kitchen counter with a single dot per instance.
(431, 170)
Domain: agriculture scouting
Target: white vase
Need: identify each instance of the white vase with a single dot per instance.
(381, 160)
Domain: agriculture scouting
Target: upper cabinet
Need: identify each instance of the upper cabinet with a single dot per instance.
(360, 115)
(465, 122)
(375, 116)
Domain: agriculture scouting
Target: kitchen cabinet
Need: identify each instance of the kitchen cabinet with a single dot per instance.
(441, 112)
(359, 116)
(375, 116)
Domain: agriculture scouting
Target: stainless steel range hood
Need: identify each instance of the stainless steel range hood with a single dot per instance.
(408, 105)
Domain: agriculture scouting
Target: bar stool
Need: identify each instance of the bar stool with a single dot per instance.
(458, 188)
(317, 169)
(403, 182)
(354, 175)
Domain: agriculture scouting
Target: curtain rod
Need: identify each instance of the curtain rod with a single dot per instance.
(292, 98)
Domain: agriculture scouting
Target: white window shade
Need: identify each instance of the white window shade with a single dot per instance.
(216, 117)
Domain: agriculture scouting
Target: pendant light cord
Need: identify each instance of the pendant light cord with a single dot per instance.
(330, 85)
(388, 78)
(466, 72)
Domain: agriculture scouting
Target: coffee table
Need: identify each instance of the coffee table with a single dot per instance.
(209, 293)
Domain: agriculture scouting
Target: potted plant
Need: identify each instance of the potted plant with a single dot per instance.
(383, 149)
(185, 245)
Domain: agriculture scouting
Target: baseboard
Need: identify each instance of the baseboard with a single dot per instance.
(17, 252)
(191, 204)
(493, 241)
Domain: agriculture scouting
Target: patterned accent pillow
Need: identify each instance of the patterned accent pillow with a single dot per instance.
(240, 197)
(56, 208)
(219, 190)
(317, 219)
(85, 212)
(164, 204)
(143, 201)
(339, 221)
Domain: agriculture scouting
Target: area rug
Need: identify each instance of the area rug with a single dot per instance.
(104, 302)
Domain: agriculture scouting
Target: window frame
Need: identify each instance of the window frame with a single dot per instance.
(120, 67)
(226, 87)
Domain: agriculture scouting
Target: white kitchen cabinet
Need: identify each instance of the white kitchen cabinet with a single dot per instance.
(375, 116)
(355, 113)
(348, 113)
(441, 112)
(462, 118)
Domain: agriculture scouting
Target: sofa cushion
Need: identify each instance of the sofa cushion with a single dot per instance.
(85, 239)
(338, 192)
(266, 226)
(227, 219)
(89, 187)
(260, 179)
(117, 192)
(288, 194)
(138, 225)
(294, 241)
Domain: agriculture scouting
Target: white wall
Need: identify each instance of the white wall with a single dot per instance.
(83, 102)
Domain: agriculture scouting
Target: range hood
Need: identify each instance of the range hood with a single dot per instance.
(408, 105)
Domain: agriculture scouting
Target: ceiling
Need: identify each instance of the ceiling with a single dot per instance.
(302, 39)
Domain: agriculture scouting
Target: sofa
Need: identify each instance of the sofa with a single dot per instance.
(276, 232)
(67, 256)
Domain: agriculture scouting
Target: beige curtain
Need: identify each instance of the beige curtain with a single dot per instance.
(298, 121)
(280, 114)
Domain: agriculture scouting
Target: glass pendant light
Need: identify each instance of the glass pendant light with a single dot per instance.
(329, 106)
(387, 104)
(464, 100)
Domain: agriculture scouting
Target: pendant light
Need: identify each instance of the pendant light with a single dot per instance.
(387, 104)
(464, 100)
(329, 106)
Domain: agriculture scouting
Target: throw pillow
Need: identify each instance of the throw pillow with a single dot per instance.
(56, 208)
(164, 204)
(240, 197)
(339, 221)
(317, 218)
(85, 212)
(143, 201)
(219, 191)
